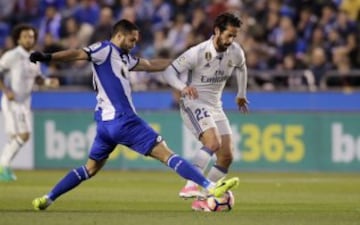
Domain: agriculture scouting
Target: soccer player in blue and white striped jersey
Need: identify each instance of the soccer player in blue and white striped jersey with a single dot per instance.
(117, 120)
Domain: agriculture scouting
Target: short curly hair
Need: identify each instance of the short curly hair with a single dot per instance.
(16, 32)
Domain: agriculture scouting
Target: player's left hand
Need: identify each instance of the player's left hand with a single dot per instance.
(190, 91)
(242, 104)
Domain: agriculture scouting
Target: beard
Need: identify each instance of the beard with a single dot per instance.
(221, 46)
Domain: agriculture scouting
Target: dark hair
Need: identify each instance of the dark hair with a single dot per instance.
(123, 26)
(225, 19)
(16, 32)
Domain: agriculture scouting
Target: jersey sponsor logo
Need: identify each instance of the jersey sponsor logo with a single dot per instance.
(205, 79)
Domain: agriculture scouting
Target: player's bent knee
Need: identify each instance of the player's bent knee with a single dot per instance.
(24, 137)
(214, 146)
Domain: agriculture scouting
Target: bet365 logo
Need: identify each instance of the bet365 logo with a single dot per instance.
(345, 146)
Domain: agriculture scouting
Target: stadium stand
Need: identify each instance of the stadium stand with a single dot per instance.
(298, 45)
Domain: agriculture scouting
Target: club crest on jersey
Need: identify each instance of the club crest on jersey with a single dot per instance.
(208, 56)
(181, 60)
(230, 63)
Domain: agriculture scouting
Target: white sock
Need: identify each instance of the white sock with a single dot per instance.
(10, 150)
(216, 173)
(201, 161)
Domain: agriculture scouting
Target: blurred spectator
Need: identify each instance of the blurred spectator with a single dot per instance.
(160, 14)
(71, 6)
(276, 33)
(182, 7)
(215, 8)
(102, 30)
(87, 12)
(352, 8)
(318, 65)
(342, 65)
(200, 24)
(50, 24)
(176, 39)
(306, 24)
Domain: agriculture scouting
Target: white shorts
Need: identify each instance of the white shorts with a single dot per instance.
(198, 117)
(17, 117)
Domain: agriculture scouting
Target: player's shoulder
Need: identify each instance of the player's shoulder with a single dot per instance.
(201, 47)
(11, 52)
(97, 46)
(237, 52)
(236, 48)
(10, 55)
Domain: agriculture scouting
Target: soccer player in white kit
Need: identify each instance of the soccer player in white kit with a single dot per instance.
(208, 66)
(18, 77)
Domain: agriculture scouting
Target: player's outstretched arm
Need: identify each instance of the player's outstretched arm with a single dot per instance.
(66, 55)
(153, 65)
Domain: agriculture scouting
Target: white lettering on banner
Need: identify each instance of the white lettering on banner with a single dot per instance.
(75, 144)
(345, 147)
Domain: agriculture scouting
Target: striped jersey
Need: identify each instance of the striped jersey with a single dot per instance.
(111, 66)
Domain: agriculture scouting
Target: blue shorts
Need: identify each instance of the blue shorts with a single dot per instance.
(128, 130)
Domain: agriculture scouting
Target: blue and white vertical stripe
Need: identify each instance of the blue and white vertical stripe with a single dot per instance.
(110, 76)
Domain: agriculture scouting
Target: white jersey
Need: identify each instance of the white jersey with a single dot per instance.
(19, 73)
(208, 70)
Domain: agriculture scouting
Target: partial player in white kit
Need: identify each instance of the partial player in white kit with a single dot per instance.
(208, 66)
(18, 78)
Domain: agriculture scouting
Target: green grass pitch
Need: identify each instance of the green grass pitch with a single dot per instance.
(150, 197)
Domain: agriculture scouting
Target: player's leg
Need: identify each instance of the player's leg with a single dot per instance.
(178, 164)
(210, 140)
(17, 125)
(219, 170)
(98, 155)
(186, 170)
(199, 121)
(224, 156)
(72, 179)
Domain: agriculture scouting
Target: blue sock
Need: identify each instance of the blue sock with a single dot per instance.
(71, 180)
(187, 170)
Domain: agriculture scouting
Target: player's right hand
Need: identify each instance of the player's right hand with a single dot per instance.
(39, 57)
(190, 91)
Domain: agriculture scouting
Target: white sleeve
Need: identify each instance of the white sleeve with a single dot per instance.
(241, 77)
(5, 61)
(97, 52)
(186, 61)
(171, 76)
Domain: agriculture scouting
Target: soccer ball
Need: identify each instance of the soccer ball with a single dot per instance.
(224, 203)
